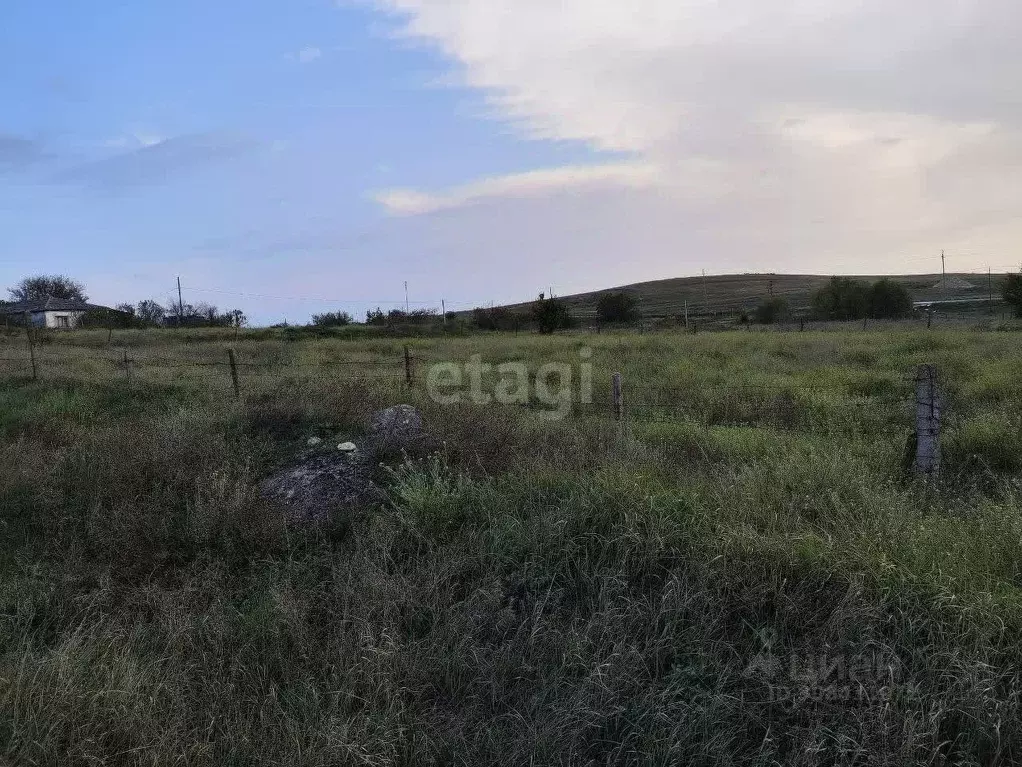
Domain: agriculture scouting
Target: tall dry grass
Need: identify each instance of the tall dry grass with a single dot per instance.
(533, 592)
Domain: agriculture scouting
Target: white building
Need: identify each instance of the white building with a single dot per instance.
(56, 313)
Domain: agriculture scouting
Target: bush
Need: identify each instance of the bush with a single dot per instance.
(108, 318)
(497, 318)
(617, 307)
(841, 299)
(1011, 291)
(889, 300)
(401, 317)
(332, 319)
(552, 314)
(771, 310)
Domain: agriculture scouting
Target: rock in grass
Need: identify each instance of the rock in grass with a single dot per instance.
(314, 442)
(396, 427)
(320, 485)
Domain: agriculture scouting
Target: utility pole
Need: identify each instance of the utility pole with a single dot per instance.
(406, 296)
(943, 277)
(443, 310)
(180, 303)
(706, 301)
(990, 292)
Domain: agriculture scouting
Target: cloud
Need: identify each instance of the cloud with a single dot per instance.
(17, 153)
(154, 163)
(134, 139)
(309, 54)
(818, 129)
(537, 182)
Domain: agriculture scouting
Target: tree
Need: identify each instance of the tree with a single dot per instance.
(44, 286)
(209, 313)
(841, 299)
(235, 318)
(332, 319)
(150, 313)
(889, 300)
(617, 307)
(552, 314)
(126, 309)
(771, 310)
(1011, 291)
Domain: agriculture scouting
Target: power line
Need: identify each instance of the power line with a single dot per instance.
(322, 300)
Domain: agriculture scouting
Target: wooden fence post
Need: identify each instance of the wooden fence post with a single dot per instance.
(927, 463)
(619, 407)
(127, 366)
(234, 372)
(619, 404)
(408, 366)
(31, 345)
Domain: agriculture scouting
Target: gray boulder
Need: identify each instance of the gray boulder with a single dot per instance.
(396, 428)
(319, 485)
(323, 481)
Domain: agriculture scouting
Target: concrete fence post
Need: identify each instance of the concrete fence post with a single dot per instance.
(927, 463)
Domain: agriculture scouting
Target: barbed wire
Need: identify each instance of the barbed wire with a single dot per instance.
(784, 405)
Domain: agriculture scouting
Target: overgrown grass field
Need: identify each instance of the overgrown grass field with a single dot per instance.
(741, 573)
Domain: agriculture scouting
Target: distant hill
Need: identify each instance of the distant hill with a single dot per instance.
(726, 293)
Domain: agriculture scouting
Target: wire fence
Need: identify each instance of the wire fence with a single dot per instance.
(886, 404)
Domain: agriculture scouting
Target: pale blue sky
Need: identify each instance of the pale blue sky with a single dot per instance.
(235, 143)
(485, 150)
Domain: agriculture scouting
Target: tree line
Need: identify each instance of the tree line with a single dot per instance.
(145, 314)
(842, 299)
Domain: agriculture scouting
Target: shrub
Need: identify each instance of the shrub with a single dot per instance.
(107, 318)
(617, 307)
(401, 317)
(1011, 291)
(332, 319)
(771, 310)
(889, 300)
(497, 318)
(552, 314)
(841, 299)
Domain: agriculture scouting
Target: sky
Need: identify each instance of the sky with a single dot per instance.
(288, 157)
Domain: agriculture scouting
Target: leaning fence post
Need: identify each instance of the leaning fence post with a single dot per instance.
(408, 366)
(927, 461)
(31, 346)
(234, 372)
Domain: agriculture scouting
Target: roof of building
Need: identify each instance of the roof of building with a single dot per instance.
(48, 304)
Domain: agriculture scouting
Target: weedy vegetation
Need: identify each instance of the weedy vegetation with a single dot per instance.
(700, 586)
